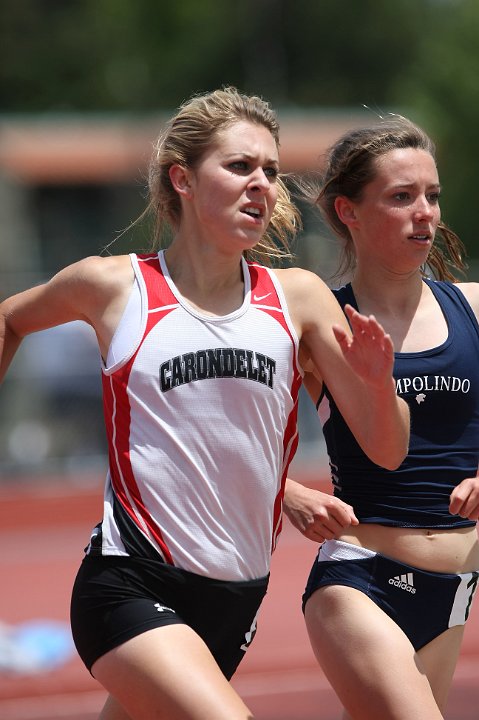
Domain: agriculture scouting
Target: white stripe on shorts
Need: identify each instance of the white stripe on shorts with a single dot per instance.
(339, 550)
(463, 599)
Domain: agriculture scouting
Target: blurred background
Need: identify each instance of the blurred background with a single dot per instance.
(85, 87)
(84, 90)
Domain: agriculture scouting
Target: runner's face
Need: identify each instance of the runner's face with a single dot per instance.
(397, 217)
(234, 186)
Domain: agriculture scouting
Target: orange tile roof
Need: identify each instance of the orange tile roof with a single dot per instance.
(96, 150)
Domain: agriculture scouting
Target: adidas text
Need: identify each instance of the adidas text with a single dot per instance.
(404, 582)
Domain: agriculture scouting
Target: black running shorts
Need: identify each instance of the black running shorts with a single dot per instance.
(116, 598)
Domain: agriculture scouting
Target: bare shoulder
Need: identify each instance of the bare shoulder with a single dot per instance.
(470, 291)
(309, 299)
(100, 287)
(96, 271)
(299, 282)
(94, 281)
(86, 290)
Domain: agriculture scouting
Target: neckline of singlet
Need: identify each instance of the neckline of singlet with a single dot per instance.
(419, 353)
(215, 319)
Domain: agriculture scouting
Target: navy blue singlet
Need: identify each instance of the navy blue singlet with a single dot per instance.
(441, 387)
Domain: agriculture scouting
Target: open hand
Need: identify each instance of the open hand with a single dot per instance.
(369, 351)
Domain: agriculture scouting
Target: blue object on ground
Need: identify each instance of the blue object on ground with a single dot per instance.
(34, 646)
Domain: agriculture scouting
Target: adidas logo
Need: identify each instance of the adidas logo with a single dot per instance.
(404, 582)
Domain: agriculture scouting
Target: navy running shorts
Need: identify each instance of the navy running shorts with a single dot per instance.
(424, 604)
(116, 598)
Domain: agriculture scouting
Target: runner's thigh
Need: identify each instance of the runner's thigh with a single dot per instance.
(168, 674)
(439, 659)
(367, 658)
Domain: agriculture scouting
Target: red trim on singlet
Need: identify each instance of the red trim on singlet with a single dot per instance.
(264, 297)
(158, 290)
(117, 411)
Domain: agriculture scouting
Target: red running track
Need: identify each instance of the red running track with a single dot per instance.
(43, 529)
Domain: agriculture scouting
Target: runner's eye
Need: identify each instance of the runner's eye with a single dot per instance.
(239, 166)
(271, 172)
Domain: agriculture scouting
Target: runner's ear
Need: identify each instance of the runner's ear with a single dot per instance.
(180, 179)
(345, 210)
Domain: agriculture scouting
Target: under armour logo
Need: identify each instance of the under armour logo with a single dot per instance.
(250, 634)
(162, 608)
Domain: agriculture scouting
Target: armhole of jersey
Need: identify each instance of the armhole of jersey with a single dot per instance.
(132, 324)
(345, 296)
(451, 288)
(287, 318)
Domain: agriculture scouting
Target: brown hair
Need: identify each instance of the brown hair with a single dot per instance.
(185, 139)
(351, 166)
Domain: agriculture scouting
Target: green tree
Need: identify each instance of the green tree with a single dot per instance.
(417, 57)
(444, 92)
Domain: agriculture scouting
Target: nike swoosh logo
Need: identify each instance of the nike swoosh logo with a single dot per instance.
(260, 297)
